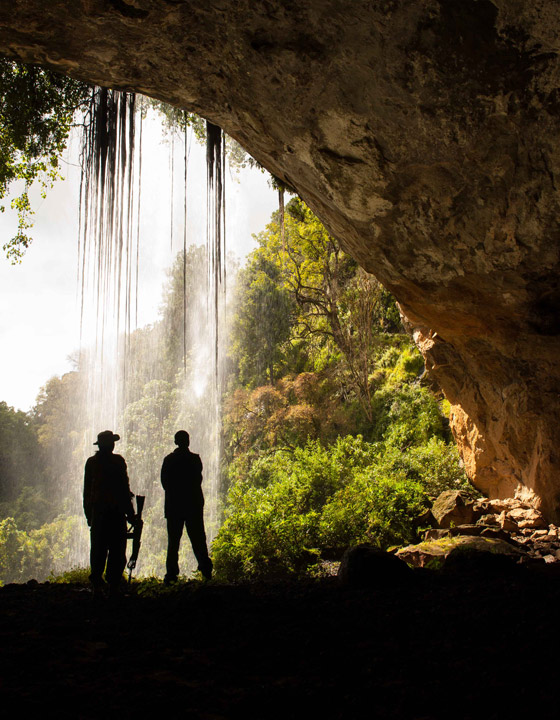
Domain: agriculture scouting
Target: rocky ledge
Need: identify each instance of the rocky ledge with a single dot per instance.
(509, 527)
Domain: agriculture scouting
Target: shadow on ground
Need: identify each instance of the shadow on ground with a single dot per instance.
(465, 645)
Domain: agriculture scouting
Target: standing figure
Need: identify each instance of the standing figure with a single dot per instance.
(181, 477)
(107, 506)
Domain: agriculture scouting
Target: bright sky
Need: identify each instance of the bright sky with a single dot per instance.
(39, 318)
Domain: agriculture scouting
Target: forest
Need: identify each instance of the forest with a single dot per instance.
(330, 434)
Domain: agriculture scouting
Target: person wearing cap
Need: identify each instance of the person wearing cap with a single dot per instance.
(107, 506)
(181, 477)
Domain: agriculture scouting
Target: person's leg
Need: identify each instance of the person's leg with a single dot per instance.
(197, 536)
(98, 553)
(174, 533)
(117, 552)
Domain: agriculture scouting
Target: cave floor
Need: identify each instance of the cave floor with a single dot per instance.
(461, 646)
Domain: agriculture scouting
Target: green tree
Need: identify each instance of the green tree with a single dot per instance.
(262, 323)
(62, 429)
(21, 456)
(37, 108)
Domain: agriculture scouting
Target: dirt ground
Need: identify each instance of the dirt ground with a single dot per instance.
(465, 645)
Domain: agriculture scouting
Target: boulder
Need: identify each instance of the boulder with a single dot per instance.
(488, 519)
(498, 506)
(365, 566)
(453, 507)
(527, 518)
(494, 559)
(434, 554)
(506, 523)
(435, 533)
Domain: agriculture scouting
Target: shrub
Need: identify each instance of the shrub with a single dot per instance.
(378, 510)
(76, 575)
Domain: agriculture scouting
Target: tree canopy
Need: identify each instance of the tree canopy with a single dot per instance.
(37, 108)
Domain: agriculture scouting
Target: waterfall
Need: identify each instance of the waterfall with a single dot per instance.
(112, 204)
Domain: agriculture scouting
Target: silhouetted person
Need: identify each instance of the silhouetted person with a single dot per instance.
(181, 477)
(107, 505)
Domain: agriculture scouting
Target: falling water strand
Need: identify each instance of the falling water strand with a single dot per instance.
(186, 158)
(138, 223)
(128, 163)
(223, 219)
(106, 244)
(281, 213)
(215, 252)
(172, 163)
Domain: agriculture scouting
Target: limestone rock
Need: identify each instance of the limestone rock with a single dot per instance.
(498, 559)
(527, 518)
(465, 530)
(423, 134)
(498, 534)
(507, 524)
(434, 554)
(452, 507)
(435, 533)
(499, 506)
(539, 534)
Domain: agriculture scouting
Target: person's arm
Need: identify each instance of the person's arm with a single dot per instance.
(129, 507)
(88, 480)
(165, 473)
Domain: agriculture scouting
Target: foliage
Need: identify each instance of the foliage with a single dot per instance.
(35, 554)
(186, 281)
(74, 576)
(343, 444)
(329, 436)
(21, 458)
(37, 108)
(289, 509)
(32, 508)
(375, 509)
(262, 323)
(176, 121)
(63, 432)
(304, 305)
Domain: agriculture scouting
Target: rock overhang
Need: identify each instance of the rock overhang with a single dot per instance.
(424, 135)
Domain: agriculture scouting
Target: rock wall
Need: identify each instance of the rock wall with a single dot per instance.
(424, 134)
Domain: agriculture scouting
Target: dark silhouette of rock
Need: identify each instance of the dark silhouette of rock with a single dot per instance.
(476, 558)
(365, 566)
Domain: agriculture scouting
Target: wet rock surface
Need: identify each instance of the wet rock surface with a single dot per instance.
(424, 135)
(286, 650)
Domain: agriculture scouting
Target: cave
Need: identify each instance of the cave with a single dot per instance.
(423, 134)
